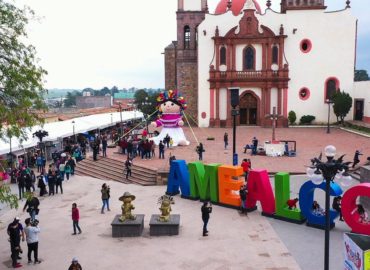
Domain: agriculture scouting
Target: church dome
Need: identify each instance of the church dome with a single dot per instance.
(236, 7)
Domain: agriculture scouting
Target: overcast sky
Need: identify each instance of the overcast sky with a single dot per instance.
(96, 43)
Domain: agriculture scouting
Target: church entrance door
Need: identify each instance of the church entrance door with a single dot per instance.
(248, 110)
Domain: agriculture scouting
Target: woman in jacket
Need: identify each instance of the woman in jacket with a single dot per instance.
(105, 195)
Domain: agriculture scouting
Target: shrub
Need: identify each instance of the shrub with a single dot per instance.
(306, 119)
(292, 117)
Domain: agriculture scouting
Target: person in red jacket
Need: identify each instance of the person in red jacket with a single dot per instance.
(75, 219)
(246, 164)
(292, 204)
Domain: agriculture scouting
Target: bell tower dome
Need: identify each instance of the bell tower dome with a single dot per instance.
(301, 5)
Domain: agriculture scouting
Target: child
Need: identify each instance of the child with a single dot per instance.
(75, 219)
(171, 143)
(292, 204)
(75, 265)
(363, 216)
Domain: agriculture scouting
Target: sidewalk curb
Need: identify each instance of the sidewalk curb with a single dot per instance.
(355, 132)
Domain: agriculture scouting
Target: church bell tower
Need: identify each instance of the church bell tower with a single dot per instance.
(190, 14)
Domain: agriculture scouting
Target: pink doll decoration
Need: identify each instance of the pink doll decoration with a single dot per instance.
(170, 107)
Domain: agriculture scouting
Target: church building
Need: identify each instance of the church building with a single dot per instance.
(291, 60)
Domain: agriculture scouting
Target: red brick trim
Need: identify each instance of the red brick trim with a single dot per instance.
(309, 45)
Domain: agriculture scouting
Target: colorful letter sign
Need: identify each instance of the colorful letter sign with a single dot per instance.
(229, 188)
(203, 181)
(282, 195)
(349, 208)
(178, 177)
(306, 198)
(259, 189)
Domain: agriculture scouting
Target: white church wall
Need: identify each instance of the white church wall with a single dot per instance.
(207, 57)
(192, 5)
(332, 55)
(223, 104)
(274, 99)
(362, 91)
(239, 56)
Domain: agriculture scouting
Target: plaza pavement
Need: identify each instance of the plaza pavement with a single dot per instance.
(234, 242)
(310, 142)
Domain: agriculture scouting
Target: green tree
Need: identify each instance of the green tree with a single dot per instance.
(21, 78)
(342, 105)
(292, 117)
(145, 102)
(361, 75)
(71, 98)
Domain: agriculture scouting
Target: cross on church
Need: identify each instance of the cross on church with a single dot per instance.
(273, 117)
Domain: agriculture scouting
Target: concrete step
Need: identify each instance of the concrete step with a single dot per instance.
(106, 168)
(118, 172)
(120, 164)
(121, 178)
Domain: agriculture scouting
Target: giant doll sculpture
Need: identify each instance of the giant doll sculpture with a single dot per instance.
(170, 107)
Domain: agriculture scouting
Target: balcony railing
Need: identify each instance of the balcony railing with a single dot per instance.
(248, 75)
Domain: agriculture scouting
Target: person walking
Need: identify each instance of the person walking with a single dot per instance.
(32, 205)
(226, 140)
(246, 167)
(71, 162)
(356, 158)
(39, 163)
(41, 184)
(67, 171)
(62, 167)
(75, 265)
(75, 219)
(33, 180)
(337, 206)
(51, 181)
(161, 150)
(15, 243)
(243, 198)
(95, 148)
(206, 210)
(21, 179)
(58, 183)
(105, 194)
(200, 150)
(32, 231)
(104, 144)
(152, 148)
(255, 145)
(128, 164)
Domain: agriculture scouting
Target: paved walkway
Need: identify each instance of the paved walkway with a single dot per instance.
(234, 242)
(310, 142)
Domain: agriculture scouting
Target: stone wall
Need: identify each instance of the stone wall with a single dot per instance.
(93, 102)
(170, 66)
(187, 79)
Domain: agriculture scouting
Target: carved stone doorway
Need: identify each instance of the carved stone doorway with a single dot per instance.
(248, 106)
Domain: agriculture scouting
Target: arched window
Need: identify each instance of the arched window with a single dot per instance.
(187, 37)
(331, 87)
(249, 58)
(223, 56)
(275, 54)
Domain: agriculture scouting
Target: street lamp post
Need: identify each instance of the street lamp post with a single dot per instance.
(40, 134)
(234, 98)
(111, 119)
(329, 101)
(328, 171)
(120, 114)
(74, 134)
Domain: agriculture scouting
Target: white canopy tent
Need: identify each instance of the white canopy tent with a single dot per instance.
(63, 129)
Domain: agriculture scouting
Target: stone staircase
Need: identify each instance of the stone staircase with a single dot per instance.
(111, 169)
